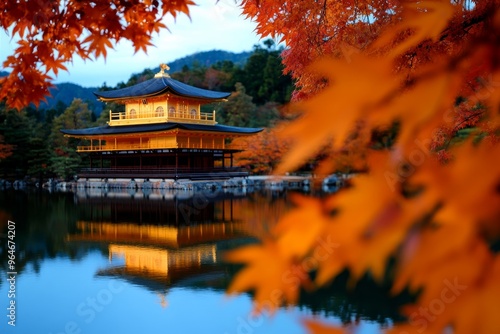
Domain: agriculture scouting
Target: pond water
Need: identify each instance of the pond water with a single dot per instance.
(132, 262)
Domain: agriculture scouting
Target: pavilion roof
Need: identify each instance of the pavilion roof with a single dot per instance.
(158, 86)
(155, 127)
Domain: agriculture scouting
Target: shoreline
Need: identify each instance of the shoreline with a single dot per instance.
(303, 183)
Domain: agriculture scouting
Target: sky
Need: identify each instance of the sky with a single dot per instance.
(213, 26)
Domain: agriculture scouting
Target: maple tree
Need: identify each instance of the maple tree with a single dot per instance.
(262, 152)
(50, 33)
(5, 149)
(432, 68)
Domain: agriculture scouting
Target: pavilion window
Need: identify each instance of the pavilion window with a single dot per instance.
(171, 112)
(160, 112)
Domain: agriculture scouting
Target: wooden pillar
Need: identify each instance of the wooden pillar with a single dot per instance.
(176, 161)
(231, 160)
(90, 157)
(176, 208)
(101, 160)
(231, 208)
(223, 211)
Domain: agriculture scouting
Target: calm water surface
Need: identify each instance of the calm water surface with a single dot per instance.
(127, 262)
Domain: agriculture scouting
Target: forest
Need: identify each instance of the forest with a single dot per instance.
(32, 148)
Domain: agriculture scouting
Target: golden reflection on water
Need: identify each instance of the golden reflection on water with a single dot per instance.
(159, 235)
(158, 261)
(172, 238)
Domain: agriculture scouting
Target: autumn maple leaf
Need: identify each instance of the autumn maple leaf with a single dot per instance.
(54, 65)
(273, 275)
(353, 89)
(99, 44)
(51, 35)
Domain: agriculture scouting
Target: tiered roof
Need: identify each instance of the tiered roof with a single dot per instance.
(114, 130)
(159, 86)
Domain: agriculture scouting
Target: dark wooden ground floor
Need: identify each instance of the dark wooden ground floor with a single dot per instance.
(164, 173)
(163, 163)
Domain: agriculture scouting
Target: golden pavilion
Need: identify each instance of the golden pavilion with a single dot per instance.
(161, 134)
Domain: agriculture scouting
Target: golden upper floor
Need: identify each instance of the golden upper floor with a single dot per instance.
(160, 110)
(161, 99)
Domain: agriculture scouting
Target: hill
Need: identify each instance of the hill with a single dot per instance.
(66, 92)
(209, 58)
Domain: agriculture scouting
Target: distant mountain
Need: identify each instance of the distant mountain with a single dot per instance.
(209, 58)
(66, 92)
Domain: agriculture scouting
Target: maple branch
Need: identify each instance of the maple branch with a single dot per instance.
(467, 24)
(459, 125)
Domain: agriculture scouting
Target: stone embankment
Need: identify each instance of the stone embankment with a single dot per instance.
(270, 182)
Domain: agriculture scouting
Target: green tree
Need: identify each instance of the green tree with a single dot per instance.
(194, 76)
(17, 128)
(266, 115)
(275, 86)
(252, 75)
(229, 69)
(52, 113)
(64, 161)
(239, 108)
(263, 75)
(38, 157)
(103, 118)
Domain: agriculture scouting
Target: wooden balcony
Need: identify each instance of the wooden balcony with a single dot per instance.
(209, 144)
(121, 147)
(137, 118)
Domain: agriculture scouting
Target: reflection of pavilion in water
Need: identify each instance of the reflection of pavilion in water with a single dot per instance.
(169, 207)
(162, 242)
(157, 269)
(159, 247)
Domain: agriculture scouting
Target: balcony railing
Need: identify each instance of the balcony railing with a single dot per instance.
(148, 146)
(135, 118)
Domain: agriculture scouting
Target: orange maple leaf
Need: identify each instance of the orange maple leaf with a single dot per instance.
(317, 327)
(425, 19)
(98, 44)
(54, 65)
(354, 88)
(274, 276)
(300, 229)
